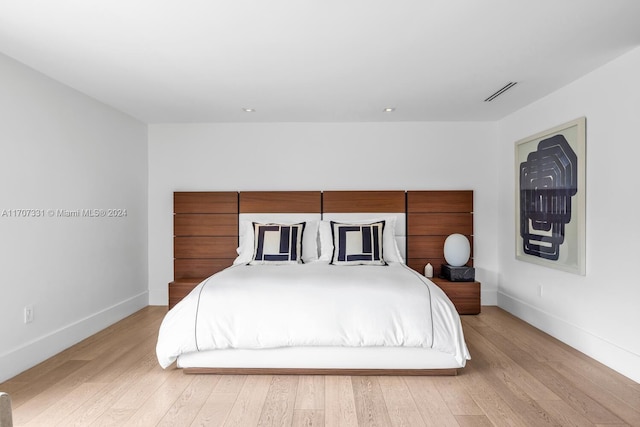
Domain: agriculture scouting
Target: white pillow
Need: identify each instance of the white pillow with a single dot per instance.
(309, 242)
(390, 249)
(245, 250)
(326, 241)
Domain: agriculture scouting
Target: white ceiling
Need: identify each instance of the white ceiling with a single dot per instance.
(323, 60)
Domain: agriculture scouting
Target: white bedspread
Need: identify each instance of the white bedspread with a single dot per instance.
(257, 307)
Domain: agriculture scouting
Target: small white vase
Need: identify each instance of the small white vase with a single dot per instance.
(428, 270)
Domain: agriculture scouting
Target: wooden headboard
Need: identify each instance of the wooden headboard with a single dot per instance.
(431, 217)
(280, 202)
(206, 223)
(363, 201)
(205, 233)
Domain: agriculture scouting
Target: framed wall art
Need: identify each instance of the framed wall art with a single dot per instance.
(551, 197)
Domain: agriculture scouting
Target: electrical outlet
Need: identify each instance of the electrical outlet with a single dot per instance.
(28, 314)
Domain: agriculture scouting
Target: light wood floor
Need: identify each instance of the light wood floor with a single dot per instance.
(518, 376)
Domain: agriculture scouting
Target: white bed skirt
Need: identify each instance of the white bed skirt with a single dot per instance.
(322, 358)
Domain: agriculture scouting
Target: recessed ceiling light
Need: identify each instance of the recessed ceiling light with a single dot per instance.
(389, 110)
(249, 110)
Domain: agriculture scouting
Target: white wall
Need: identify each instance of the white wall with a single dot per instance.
(63, 150)
(321, 156)
(597, 313)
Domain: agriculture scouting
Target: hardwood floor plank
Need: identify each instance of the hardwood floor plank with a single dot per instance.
(156, 406)
(473, 421)
(527, 409)
(185, 409)
(308, 418)
(310, 393)
(571, 393)
(148, 380)
(32, 390)
(130, 331)
(106, 369)
(99, 404)
(510, 371)
(370, 405)
(499, 413)
(564, 414)
(401, 407)
(217, 407)
(28, 377)
(539, 345)
(455, 395)
(280, 402)
(123, 405)
(58, 412)
(564, 388)
(215, 410)
(230, 384)
(340, 407)
(586, 375)
(248, 406)
(113, 417)
(432, 407)
(487, 398)
(606, 379)
(94, 407)
(608, 399)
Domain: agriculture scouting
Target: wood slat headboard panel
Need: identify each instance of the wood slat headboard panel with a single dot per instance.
(431, 217)
(205, 232)
(440, 201)
(206, 223)
(224, 224)
(207, 202)
(280, 202)
(363, 201)
(192, 268)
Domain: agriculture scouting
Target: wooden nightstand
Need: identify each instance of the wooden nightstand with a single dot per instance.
(179, 289)
(464, 295)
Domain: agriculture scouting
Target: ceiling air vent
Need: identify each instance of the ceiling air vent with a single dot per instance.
(500, 91)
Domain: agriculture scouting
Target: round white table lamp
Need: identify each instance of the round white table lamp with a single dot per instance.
(457, 250)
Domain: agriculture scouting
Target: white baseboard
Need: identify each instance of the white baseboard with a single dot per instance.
(38, 350)
(619, 359)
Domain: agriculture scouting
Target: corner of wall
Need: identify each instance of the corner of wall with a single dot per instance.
(35, 351)
(598, 348)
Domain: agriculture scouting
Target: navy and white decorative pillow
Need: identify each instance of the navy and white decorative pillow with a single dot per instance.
(277, 243)
(357, 244)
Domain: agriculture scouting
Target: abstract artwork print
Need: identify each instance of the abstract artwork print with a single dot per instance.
(548, 181)
(550, 197)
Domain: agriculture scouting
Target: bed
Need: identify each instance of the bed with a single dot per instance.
(315, 288)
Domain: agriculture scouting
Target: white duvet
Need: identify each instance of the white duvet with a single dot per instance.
(269, 306)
